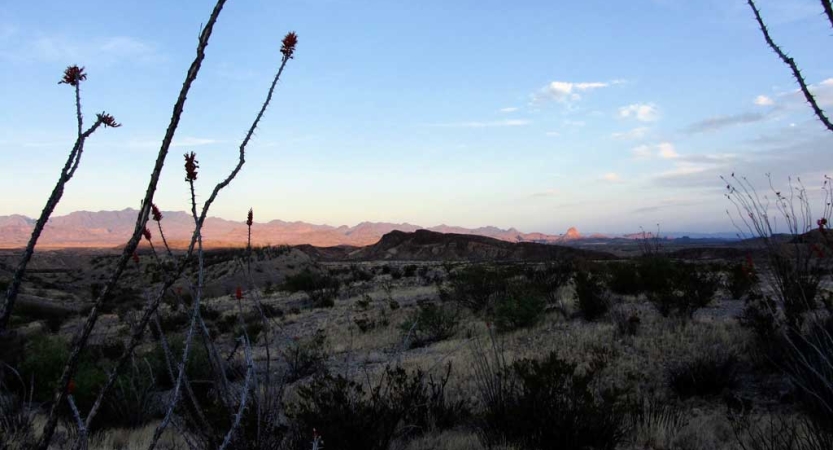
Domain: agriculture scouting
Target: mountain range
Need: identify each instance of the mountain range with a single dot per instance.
(103, 229)
(112, 228)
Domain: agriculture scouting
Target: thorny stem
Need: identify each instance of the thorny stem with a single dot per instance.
(828, 9)
(791, 62)
(81, 339)
(66, 174)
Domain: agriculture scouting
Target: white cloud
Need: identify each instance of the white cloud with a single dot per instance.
(552, 133)
(496, 123)
(546, 193)
(667, 151)
(565, 91)
(508, 110)
(643, 112)
(575, 123)
(763, 100)
(664, 150)
(636, 133)
(642, 152)
(612, 177)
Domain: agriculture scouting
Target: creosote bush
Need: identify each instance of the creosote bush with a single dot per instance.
(550, 403)
(430, 323)
(704, 375)
(321, 289)
(593, 299)
(351, 415)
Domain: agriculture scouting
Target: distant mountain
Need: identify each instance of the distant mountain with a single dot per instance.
(104, 229)
(113, 228)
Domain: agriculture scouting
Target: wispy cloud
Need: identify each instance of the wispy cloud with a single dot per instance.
(720, 122)
(59, 48)
(663, 150)
(643, 112)
(565, 91)
(552, 133)
(547, 193)
(633, 134)
(763, 100)
(575, 123)
(490, 124)
(611, 177)
(510, 109)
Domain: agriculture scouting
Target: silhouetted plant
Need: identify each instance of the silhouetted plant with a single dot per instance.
(549, 404)
(704, 375)
(593, 299)
(518, 307)
(623, 278)
(305, 356)
(742, 278)
(355, 416)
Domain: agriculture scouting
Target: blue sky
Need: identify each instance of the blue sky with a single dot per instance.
(540, 115)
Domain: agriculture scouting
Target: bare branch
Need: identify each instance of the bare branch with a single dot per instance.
(828, 9)
(81, 339)
(791, 63)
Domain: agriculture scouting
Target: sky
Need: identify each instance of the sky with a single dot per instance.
(540, 115)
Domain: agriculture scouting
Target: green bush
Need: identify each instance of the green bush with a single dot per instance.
(320, 288)
(305, 357)
(593, 300)
(518, 308)
(431, 323)
(549, 280)
(685, 289)
(475, 287)
(623, 278)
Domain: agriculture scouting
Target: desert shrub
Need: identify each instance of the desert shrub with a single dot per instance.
(395, 273)
(518, 307)
(132, 402)
(306, 356)
(475, 287)
(704, 375)
(359, 273)
(741, 279)
(235, 323)
(777, 432)
(196, 366)
(627, 321)
(271, 311)
(807, 359)
(409, 271)
(687, 289)
(549, 279)
(549, 404)
(364, 302)
(760, 315)
(368, 322)
(52, 317)
(320, 288)
(656, 272)
(593, 299)
(355, 416)
(16, 418)
(623, 278)
(431, 323)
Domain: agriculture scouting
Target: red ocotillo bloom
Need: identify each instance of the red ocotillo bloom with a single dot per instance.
(191, 166)
(146, 234)
(71, 387)
(72, 75)
(154, 210)
(135, 257)
(107, 120)
(288, 44)
(238, 294)
(249, 217)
